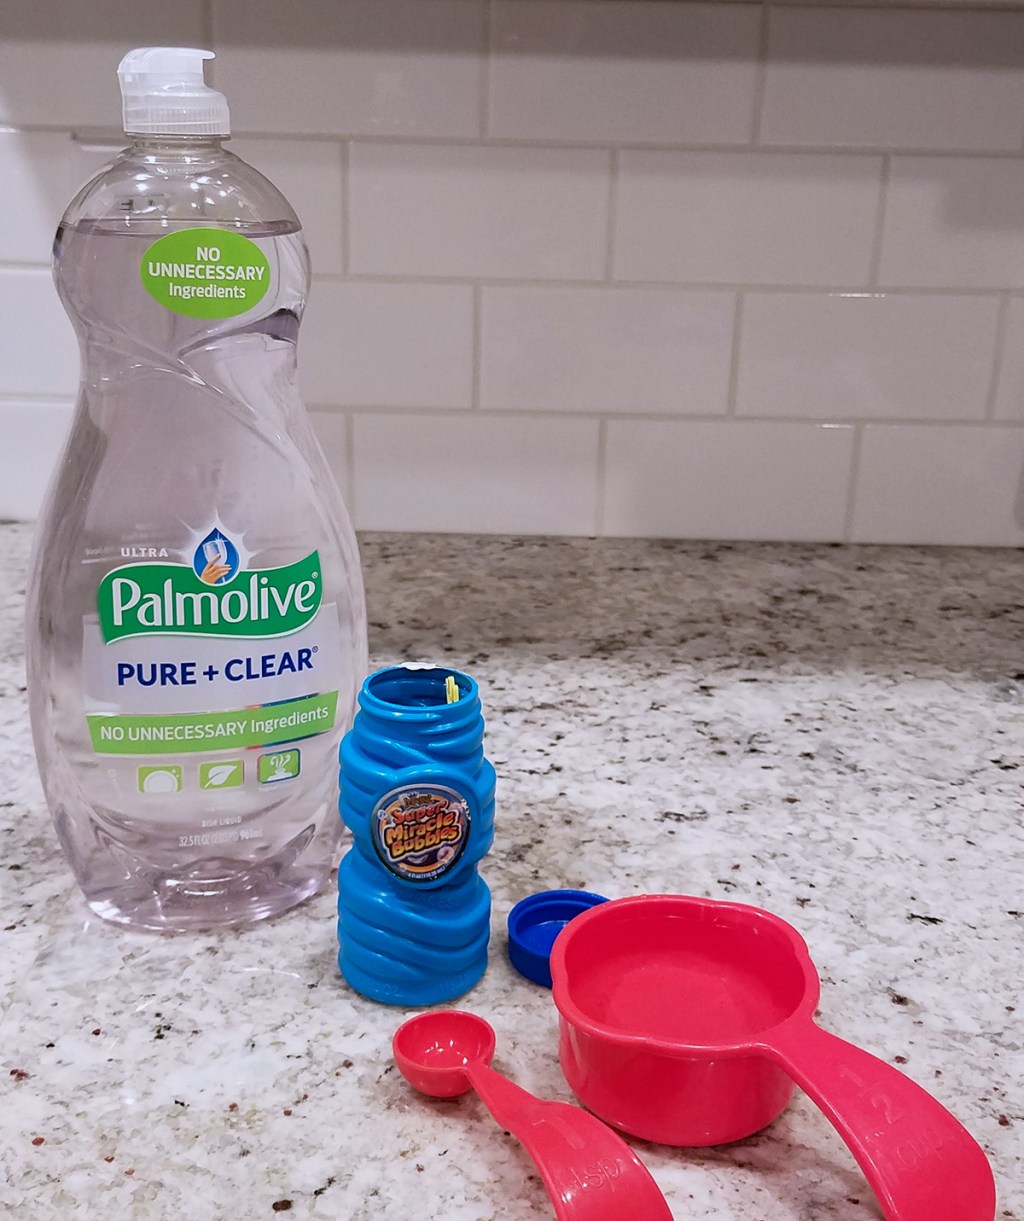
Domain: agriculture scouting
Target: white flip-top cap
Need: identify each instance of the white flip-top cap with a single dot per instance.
(163, 91)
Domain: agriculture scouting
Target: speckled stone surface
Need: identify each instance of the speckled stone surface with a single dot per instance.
(836, 734)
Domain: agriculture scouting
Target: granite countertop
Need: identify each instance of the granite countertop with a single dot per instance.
(834, 733)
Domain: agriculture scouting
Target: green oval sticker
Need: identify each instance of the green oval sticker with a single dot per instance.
(206, 273)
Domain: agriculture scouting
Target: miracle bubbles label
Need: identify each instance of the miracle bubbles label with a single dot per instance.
(420, 831)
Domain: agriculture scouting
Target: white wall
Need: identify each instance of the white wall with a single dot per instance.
(593, 266)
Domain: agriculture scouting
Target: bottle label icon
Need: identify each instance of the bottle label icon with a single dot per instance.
(282, 765)
(216, 559)
(419, 831)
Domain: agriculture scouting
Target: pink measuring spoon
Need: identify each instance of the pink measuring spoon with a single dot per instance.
(590, 1173)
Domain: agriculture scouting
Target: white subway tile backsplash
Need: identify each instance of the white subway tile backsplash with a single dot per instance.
(862, 355)
(746, 217)
(437, 210)
(332, 431)
(38, 349)
(33, 437)
(308, 173)
(535, 224)
(58, 59)
(941, 484)
(894, 78)
(727, 479)
(37, 184)
(90, 155)
(954, 222)
(352, 67)
(624, 70)
(596, 349)
(388, 345)
(485, 474)
(1010, 387)
(42, 173)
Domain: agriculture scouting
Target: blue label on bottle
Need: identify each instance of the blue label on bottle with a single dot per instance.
(420, 830)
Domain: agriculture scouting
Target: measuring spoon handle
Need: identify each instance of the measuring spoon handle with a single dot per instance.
(922, 1163)
(527, 1118)
(590, 1173)
(509, 1104)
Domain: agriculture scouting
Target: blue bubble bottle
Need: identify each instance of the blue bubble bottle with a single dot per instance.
(417, 794)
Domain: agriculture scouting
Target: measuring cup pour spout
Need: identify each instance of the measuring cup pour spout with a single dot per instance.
(921, 1163)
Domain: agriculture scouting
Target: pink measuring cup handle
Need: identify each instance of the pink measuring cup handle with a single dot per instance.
(922, 1164)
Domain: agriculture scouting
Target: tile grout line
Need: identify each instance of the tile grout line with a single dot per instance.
(851, 491)
(878, 237)
(612, 218)
(418, 140)
(476, 354)
(39, 398)
(734, 357)
(625, 284)
(761, 76)
(912, 6)
(350, 461)
(346, 199)
(967, 292)
(486, 38)
(601, 476)
(623, 416)
(207, 22)
(998, 356)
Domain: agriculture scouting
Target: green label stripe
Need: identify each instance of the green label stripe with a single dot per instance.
(142, 599)
(206, 273)
(183, 733)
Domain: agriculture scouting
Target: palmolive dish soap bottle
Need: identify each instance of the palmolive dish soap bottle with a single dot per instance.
(196, 626)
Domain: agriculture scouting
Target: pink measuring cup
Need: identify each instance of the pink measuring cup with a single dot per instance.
(686, 1021)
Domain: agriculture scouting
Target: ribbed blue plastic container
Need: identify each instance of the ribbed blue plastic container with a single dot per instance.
(417, 794)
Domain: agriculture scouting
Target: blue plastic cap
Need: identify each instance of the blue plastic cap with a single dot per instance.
(535, 922)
